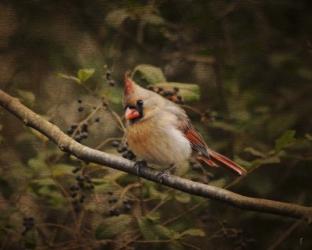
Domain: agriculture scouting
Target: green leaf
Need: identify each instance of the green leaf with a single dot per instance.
(113, 226)
(190, 92)
(254, 152)
(152, 230)
(285, 140)
(85, 74)
(268, 160)
(117, 17)
(182, 197)
(153, 19)
(68, 77)
(193, 232)
(145, 74)
(60, 170)
(27, 97)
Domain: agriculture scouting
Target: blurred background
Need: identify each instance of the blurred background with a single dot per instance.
(242, 71)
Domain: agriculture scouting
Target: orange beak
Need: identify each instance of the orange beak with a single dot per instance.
(131, 114)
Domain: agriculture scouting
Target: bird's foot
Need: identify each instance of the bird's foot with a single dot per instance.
(165, 173)
(139, 165)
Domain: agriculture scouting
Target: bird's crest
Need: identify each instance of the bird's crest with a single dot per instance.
(129, 84)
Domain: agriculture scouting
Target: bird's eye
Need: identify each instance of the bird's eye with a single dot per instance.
(139, 102)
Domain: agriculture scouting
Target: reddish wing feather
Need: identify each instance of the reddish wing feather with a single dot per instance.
(207, 155)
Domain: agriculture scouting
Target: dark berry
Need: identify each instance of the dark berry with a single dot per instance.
(80, 109)
(97, 119)
(73, 195)
(112, 200)
(74, 188)
(108, 74)
(127, 207)
(111, 83)
(84, 135)
(82, 198)
(114, 212)
(168, 93)
(80, 178)
(121, 149)
(79, 101)
(115, 143)
(84, 127)
(128, 155)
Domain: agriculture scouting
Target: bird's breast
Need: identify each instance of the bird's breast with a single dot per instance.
(158, 142)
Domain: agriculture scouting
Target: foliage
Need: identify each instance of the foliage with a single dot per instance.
(240, 69)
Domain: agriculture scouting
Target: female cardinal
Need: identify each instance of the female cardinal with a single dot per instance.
(159, 131)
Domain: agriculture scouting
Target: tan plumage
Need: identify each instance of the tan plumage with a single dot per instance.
(160, 132)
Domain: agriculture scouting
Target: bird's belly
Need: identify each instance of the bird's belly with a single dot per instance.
(161, 146)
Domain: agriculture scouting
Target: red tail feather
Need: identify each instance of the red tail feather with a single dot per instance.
(224, 160)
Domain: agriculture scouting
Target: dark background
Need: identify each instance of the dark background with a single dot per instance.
(252, 62)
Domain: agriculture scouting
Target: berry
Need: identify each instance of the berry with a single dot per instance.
(176, 89)
(80, 109)
(115, 144)
(97, 119)
(114, 212)
(112, 200)
(74, 188)
(122, 149)
(84, 127)
(79, 101)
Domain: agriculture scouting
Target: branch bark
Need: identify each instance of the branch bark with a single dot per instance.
(66, 143)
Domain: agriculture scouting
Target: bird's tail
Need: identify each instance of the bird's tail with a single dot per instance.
(216, 158)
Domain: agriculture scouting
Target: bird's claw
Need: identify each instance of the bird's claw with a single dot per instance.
(164, 173)
(139, 165)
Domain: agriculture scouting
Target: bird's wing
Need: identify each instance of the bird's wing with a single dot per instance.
(184, 125)
(204, 154)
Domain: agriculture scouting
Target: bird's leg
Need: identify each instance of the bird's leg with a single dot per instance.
(165, 172)
(139, 165)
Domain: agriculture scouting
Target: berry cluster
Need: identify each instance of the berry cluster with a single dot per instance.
(171, 94)
(124, 150)
(80, 190)
(80, 131)
(125, 207)
(109, 79)
(28, 224)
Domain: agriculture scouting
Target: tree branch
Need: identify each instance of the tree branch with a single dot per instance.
(66, 143)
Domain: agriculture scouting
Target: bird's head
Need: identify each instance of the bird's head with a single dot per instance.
(139, 103)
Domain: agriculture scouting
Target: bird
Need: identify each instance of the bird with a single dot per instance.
(158, 131)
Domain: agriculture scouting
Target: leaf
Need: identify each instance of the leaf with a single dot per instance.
(113, 226)
(193, 232)
(254, 152)
(85, 74)
(153, 19)
(145, 74)
(218, 183)
(224, 126)
(39, 135)
(153, 230)
(190, 92)
(285, 140)
(268, 160)
(68, 77)
(60, 170)
(117, 17)
(307, 136)
(27, 97)
(182, 197)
